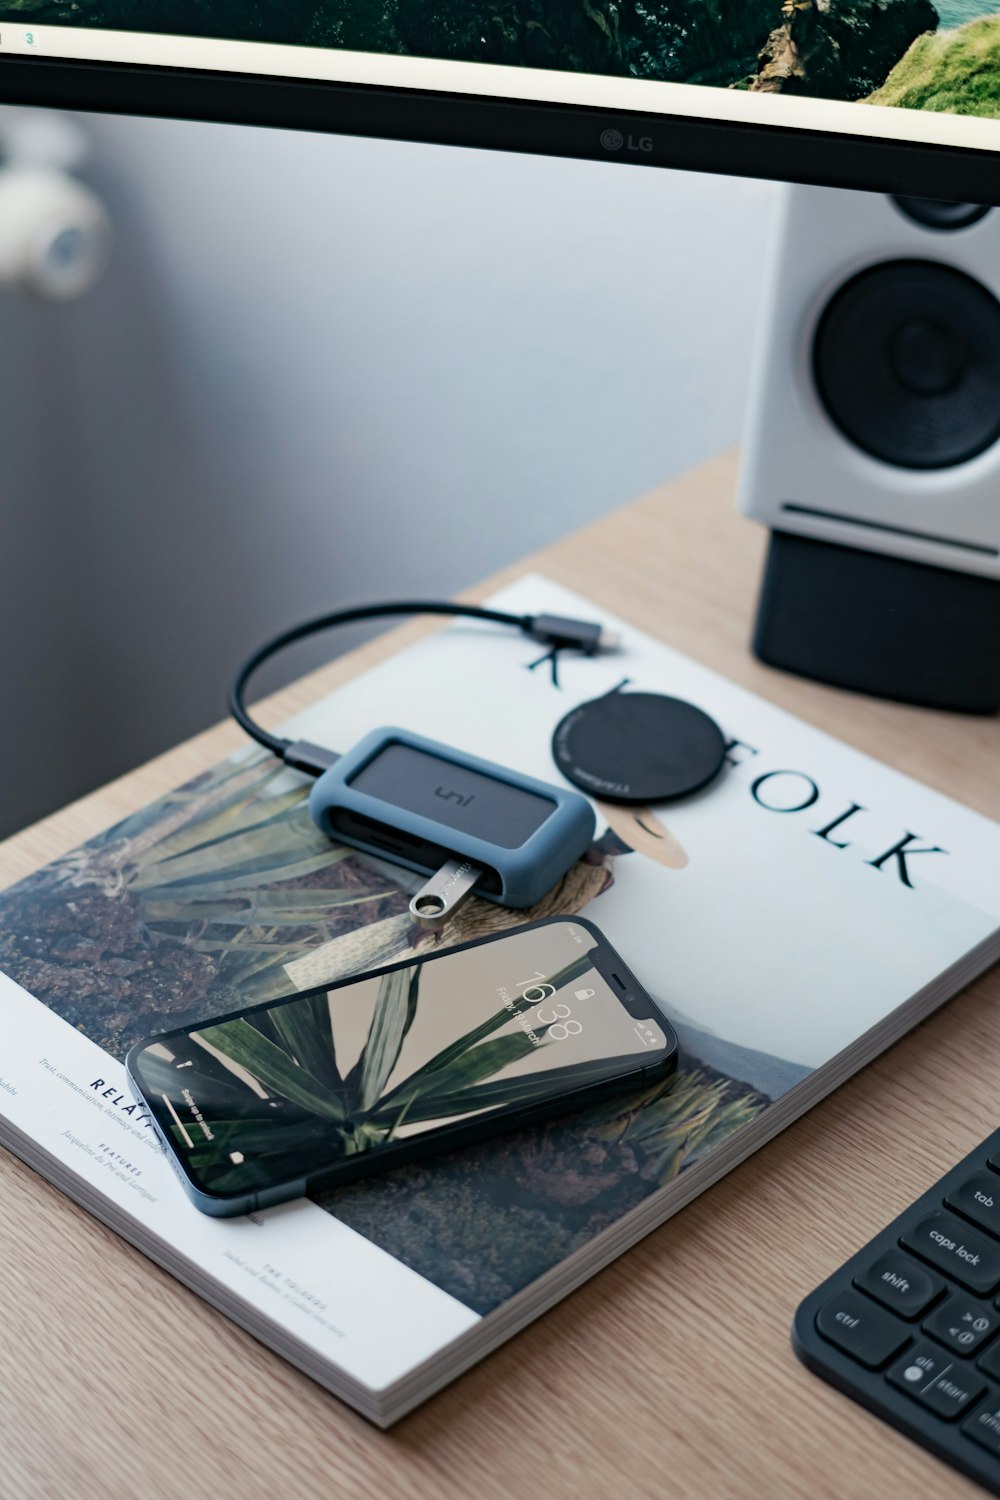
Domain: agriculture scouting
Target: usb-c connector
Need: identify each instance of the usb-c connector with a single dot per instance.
(573, 635)
(314, 759)
(553, 630)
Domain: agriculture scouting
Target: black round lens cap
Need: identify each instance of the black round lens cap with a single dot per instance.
(638, 747)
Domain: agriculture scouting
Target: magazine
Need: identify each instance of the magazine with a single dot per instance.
(792, 919)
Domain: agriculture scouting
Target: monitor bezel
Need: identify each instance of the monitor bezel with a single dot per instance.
(783, 153)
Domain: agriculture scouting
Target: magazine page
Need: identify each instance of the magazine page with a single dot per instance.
(777, 916)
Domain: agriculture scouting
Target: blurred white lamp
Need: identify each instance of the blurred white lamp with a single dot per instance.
(55, 237)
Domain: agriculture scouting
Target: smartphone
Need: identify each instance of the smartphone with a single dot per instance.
(325, 1086)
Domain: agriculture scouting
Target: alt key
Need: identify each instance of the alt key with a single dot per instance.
(942, 1384)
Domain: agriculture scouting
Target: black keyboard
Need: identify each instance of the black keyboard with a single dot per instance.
(909, 1326)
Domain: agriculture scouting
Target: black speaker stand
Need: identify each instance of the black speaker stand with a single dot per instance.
(880, 624)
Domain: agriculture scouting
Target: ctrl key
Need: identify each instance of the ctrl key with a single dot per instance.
(861, 1329)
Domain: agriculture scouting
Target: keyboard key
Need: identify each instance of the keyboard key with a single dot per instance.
(989, 1362)
(938, 1381)
(861, 1329)
(978, 1198)
(954, 1392)
(918, 1367)
(984, 1425)
(960, 1252)
(941, 1386)
(962, 1324)
(900, 1284)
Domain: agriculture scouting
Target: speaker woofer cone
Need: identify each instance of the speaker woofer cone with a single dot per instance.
(906, 361)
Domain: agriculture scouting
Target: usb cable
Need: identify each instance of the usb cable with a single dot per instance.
(554, 631)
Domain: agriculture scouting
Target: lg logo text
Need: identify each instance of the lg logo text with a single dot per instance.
(614, 140)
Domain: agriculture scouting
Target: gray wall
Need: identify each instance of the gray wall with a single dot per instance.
(322, 370)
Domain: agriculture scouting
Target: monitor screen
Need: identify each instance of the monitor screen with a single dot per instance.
(896, 95)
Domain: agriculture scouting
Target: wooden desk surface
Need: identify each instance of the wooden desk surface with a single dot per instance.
(670, 1374)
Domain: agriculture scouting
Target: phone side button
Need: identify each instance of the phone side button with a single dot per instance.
(284, 1193)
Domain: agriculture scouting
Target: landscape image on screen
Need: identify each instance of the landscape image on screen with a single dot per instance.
(937, 55)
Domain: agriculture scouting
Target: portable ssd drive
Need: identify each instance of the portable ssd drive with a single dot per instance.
(423, 804)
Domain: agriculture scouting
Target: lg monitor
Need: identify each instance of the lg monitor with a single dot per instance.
(873, 449)
(899, 96)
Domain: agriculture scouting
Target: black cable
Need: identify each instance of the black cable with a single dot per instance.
(559, 633)
(554, 630)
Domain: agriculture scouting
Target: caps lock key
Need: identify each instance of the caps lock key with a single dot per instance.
(961, 1252)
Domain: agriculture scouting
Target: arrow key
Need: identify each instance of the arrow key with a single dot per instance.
(962, 1324)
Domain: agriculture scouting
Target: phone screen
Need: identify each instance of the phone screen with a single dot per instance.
(287, 1089)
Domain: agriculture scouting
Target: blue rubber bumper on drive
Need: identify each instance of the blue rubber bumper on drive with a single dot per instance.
(513, 876)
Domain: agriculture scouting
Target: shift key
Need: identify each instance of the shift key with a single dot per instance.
(968, 1257)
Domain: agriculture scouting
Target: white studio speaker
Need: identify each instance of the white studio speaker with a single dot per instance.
(873, 447)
